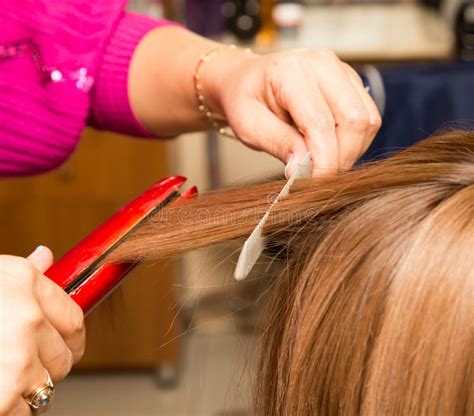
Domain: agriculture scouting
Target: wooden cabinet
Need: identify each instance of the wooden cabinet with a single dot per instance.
(135, 327)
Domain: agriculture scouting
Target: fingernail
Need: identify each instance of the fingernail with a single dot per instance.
(289, 165)
(38, 250)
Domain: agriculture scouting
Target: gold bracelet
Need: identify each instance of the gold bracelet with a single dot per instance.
(217, 121)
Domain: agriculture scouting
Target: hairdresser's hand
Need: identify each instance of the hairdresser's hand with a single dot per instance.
(291, 102)
(40, 328)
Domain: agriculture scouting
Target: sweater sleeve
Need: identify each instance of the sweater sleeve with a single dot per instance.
(110, 107)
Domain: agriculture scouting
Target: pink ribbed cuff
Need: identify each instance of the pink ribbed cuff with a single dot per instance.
(111, 109)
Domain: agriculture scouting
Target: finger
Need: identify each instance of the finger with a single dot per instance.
(32, 347)
(53, 352)
(12, 400)
(375, 119)
(35, 377)
(350, 113)
(22, 374)
(55, 305)
(19, 408)
(63, 314)
(314, 120)
(273, 135)
(42, 258)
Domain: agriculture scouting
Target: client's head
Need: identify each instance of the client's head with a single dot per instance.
(372, 311)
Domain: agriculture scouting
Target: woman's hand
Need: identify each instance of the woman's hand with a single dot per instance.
(41, 328)
(284, 103)
(293, 102)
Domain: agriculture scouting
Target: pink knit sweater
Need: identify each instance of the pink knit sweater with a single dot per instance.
(63, 64)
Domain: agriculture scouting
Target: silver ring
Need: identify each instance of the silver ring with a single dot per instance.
(41, 398)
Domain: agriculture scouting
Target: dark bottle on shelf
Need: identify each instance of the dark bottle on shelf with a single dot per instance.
(464, 30)
(242, 17)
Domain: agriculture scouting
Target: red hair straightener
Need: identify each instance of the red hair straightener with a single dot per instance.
(83, 273)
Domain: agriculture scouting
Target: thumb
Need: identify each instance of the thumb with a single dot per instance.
(277, 138)
(42, 258)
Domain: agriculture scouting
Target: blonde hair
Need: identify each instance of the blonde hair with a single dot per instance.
(372, 311)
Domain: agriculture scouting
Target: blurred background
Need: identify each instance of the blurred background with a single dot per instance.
(180, 337)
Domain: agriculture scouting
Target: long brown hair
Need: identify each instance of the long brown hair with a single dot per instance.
(372, 311)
